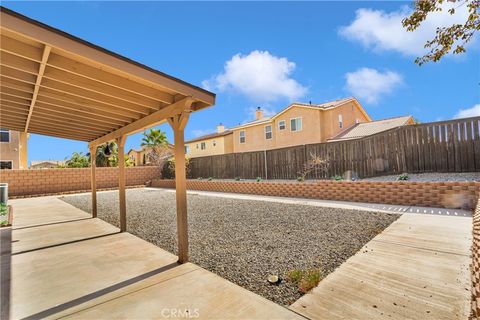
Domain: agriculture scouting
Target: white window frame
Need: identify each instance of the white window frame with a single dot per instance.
(11, 164)
(187, 149)
(340, 121)
(271, 132)
(280, 126)
(244, 136)
(9, 135)
(203, 145)
(301, 124)
(214, 143)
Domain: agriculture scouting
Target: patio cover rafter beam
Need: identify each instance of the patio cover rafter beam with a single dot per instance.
(41, 71)
(148, 121)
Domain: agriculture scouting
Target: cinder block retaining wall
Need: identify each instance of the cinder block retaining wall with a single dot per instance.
(428, 194)
(476, 264)
(23, 183)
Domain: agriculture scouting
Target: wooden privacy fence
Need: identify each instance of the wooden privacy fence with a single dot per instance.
(445, 146)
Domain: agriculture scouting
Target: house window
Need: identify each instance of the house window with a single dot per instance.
(4, 135)
(340, 121)
(281, 125)
(242, 136)
(268, 132)
(144, 159)
(197, 145)
(187, 149)
(296, 124)
(203, 145)
(6, 164)
(357, 120)
(214, 143)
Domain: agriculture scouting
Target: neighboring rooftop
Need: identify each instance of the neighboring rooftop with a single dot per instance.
(360, 130)
(325, 105)
(210, 136)
(36, 163)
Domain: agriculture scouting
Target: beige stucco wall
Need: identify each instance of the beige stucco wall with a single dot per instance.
(330, 126)
(222, 145)
(311, 124)
(16, 150)
(254, 138)
(317, 126)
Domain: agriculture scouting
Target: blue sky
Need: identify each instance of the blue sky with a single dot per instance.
(270, 54)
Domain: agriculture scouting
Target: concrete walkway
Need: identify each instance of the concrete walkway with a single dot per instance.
(417, 268)
(68, 265)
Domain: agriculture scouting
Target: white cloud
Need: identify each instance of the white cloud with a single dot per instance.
(260, 76)
(380, 30)
(369, 84)
(467, 113)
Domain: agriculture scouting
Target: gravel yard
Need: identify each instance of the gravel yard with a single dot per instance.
(246, 241)
(432, 177)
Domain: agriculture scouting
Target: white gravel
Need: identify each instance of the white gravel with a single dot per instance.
(431, 177)
(245, 241)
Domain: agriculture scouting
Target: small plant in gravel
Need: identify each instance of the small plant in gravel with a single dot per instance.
(337, 177)
(259, 179)
(210, 178)
(314, 164)
(306, 280)
(199, 178)
(3, 214)
(403, 177)
(300, 179)
(237, 178)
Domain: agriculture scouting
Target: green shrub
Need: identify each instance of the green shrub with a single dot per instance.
(337, 178)
(403, 177)
(3, 214)
(199, 178)
(259, 179)
(210, 178)
(237, 178)
(300, 178)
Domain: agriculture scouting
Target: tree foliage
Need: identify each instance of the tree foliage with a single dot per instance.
(156, 146)
(451, 38)
(78, 160)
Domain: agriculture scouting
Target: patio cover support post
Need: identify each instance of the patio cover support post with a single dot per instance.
(121, 182)
(93, 164)
(178, 124)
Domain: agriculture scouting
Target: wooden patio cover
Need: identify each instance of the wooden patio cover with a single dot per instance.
(55, 84)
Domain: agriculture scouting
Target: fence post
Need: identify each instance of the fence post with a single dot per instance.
(265, 162)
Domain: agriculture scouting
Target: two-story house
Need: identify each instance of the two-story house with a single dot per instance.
(220, 142)
(13, 149)
(298, 124)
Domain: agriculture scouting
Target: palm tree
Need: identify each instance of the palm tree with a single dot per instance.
(157, 144)
(104, 154)
(154, 138)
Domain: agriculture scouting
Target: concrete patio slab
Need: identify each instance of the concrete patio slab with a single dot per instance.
(58, 273)
(417, 268)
